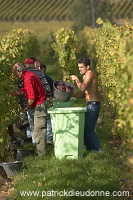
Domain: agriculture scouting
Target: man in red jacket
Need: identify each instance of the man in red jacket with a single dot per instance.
(36, 99)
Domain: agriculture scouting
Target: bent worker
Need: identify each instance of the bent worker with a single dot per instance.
(36, 99)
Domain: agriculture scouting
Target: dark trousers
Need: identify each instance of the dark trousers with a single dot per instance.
(90, 137)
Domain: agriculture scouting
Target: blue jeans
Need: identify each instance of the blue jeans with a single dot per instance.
(30, 114)
(90, 137)
(49, 128)
(28, 132)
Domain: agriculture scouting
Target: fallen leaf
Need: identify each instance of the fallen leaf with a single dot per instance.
(39, 184)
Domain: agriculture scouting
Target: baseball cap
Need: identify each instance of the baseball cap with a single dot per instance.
(29, 61)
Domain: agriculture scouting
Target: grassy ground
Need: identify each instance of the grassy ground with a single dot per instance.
(42, 29)
(95, 172)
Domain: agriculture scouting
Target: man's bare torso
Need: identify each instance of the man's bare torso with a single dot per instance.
(91, 94)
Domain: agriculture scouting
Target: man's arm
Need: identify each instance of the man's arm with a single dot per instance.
(17, 93)
(79, 94)
(87, 80)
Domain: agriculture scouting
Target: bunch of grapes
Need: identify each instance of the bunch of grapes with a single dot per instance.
(64, 87)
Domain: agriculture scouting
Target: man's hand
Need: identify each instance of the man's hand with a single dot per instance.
(50, 101)
(81, 86)
(29, 104)
(74, 78)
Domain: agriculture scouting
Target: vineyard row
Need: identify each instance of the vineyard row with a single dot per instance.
(44, 10)
(18, 10)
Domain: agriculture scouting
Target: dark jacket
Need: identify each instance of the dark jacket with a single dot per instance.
(46, 82)
(50, 81)
(43, 79)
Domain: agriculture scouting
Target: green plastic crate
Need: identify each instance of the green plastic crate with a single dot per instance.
(68, 131)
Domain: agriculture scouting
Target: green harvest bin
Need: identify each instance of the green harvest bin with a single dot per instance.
(60, 104)
(68, 131)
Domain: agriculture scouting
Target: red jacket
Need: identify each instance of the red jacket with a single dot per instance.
(33, 88)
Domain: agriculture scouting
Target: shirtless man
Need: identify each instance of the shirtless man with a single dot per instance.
(89, 90)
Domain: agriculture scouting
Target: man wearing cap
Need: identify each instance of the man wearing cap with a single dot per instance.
(29, 66)
(41, 66)
(36, 100)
